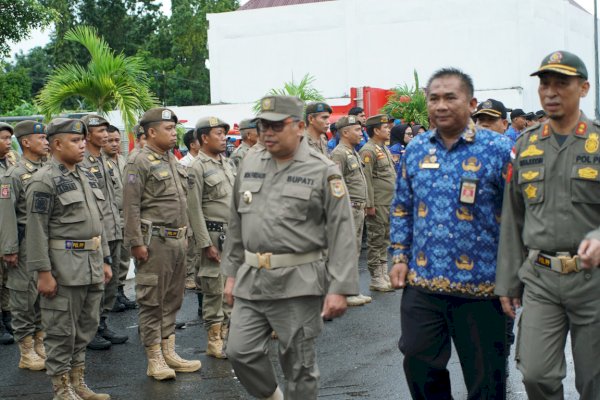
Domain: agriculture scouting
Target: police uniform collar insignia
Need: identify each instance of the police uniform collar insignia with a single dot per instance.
(592, 143)
(166, 115)
(546, 131)
(92, 159)
(63, 169)
(29, 166)
(581, 129)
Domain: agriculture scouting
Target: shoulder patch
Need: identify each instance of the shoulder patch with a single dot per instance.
(5, 191)
(336, 186)
(41, 202)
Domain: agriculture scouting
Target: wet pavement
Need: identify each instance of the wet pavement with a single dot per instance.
(357, 355)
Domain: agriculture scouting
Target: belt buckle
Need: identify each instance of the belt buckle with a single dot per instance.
(569, 264)
(264, 260)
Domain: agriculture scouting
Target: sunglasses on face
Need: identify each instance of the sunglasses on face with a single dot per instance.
(264, 125)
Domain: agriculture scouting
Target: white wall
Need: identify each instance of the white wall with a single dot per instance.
(379, 43)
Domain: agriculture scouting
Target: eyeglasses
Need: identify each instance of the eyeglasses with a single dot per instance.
(264, 125)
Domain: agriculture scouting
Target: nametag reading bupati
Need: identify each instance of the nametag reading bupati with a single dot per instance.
(468, 190)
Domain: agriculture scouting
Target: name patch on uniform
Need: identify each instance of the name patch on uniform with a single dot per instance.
(301, 180)
(531, 161)
(93, 184)
(41, 202)
(63, 184)
(255, 175)
(5, 191)
(587, 159)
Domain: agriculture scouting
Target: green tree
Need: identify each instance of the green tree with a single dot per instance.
(408, 103)
(16, 86)
(108, 81)
(18, 18)
(304, 90)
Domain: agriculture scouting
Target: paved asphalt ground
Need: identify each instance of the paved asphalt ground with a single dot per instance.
(357, 355)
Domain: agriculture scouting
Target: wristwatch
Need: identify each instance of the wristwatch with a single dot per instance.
(108, 260)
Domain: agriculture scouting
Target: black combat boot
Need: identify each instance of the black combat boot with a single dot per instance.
(200, 299)
(121, 298)
(108, 334)
(5, 336)
(99, 343)
(7, 320)
(118, 306)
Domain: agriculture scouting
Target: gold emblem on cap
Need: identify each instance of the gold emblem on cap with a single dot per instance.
(247, 197)
(384, 119)
(486, 104)
(555, 58)
(591, 144)
(267, 104)
(77, 126)
(212, 122)
(166, 114)
(352, 119)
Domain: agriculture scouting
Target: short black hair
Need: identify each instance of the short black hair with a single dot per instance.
(188, 138)
(202, 131)
(333, 128)
(371, 130)
(112, 128)
(464, 78)
(355, 110)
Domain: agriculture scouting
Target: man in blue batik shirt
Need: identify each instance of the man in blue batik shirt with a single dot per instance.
(444, 237)
(518, 123)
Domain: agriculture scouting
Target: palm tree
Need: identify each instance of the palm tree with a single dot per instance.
(303, 90)
(108, 82)
(408, 103)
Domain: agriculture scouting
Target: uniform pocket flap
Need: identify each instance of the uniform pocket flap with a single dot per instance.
(213, 179)
(296, 191)
(586, 172)
(251, 186)
(98, 193)
(73, 196)
(57, 303)
(161, 174)
(146, 279)
(531, 175)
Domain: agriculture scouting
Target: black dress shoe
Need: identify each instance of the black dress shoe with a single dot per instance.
(121, 298)
(110, 335)
(118, 306)
(99, 343)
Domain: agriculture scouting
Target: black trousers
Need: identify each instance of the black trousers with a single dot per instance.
(478, 330)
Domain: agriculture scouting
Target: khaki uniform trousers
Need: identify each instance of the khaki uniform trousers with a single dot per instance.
(111, 288)
(125, 260)
(211, 283)
(4, 291)
(359, 222)
(191, 262)
(297, 322)
(159, 287)
(70, 320)
(554, 305)
(378, 237)
(24, 299)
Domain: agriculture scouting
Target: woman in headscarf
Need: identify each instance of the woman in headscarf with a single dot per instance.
(418, 129)
(400, 136)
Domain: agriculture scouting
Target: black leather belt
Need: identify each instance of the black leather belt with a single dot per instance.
(214, 226)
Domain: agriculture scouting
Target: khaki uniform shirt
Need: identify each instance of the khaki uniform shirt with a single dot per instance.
(106, 173)
(238, 154)
(209, 196)
(551, 200)
(379, 172)
(65, 205)
(155, 189)
(352, 170)
(296, 207)
(13, 207)
(319, 146)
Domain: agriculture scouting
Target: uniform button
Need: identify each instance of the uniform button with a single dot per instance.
(587, 276)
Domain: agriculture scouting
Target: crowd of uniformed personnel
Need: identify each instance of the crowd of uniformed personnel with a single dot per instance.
(262, 237)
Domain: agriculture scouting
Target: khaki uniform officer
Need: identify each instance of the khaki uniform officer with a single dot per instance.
(6, 161)
(24, 298)
(154, 207)
(381, 179)
(550, 237)
(317, 124)
(249, 139)
(349, 162)
(208, 208)
(66, 247)
(107, 174)
(289, 204)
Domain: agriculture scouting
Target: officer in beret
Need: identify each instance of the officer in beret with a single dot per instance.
(156, 229)
(109, 184)
(249, 138)
(208, 200)
(67, 248)
(518, 123)
(550, 237)
(289, 204)
(6, 336)
(24, 299)
(317, 123)
(380, 173)
(350, 164)
(491, 114)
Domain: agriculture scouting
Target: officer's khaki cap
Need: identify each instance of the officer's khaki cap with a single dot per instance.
(563, 62)
(347, 121)
(93, 120)
(317, 107)
(138, 131)
(212, 122)
(6, 127)
(378, 119)
(278, 108)
(25, 128)
(65, 125)
(158, 114)
(247, 124)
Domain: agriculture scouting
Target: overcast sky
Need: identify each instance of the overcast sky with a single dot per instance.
(40, 38)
